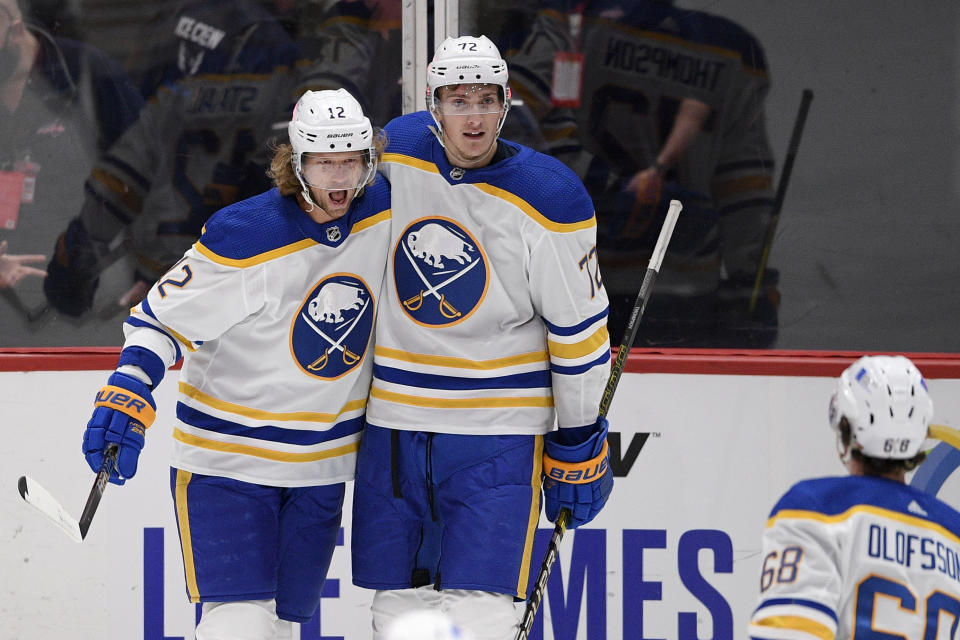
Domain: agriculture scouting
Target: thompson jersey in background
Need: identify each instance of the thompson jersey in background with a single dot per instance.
(200, 143)
(272, 391)
(471, 338)
(859, 557)
(641, 59)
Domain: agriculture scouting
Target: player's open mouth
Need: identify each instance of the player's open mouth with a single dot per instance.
(473, 134)
(338, 197)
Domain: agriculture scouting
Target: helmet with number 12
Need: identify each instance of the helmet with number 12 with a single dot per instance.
(334, 147)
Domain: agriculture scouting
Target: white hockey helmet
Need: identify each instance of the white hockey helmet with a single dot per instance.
(331, 122)
(425, 624)
(467, 60)
(885, 400)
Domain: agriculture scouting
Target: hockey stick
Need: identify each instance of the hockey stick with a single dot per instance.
(40, 498)
(945, 434)
(805, 101)
(666, 231)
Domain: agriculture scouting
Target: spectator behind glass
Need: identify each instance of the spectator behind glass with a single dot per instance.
(223, 78)
(670, 106)
(62, 103)
(353, 44)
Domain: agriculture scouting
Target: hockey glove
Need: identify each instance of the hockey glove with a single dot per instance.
(577, 476)
(123, 411)
(72, 275)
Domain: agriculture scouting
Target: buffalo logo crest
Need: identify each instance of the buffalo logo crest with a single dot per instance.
(332, 327)
(440, 272)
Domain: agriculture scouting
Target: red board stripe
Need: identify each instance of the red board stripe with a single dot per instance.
(774, 362)
(698, 361)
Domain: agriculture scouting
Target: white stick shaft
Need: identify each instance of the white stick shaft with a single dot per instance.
(673, 212)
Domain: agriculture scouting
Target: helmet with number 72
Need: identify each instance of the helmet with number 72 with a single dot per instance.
(885, 400)
(467, 60)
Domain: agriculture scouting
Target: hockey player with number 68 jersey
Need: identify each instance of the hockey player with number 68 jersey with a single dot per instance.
(864, 556)
(272, 311)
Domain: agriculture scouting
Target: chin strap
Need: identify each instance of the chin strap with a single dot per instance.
(306, 196)
(437, 131)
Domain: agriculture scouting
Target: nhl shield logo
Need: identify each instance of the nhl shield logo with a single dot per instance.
(331, 330)
(440, 272)
(333, 234)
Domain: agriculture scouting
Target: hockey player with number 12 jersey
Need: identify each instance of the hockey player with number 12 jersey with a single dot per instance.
(272, 310)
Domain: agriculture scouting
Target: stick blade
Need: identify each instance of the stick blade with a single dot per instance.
(38, 497)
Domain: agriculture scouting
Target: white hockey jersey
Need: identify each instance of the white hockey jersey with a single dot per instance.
(274, 315)
(494, 319)
(859, 557)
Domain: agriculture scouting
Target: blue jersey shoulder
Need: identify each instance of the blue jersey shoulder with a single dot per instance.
(545, 183)
(375, 199)
(835, 495)
(253, 226)
(410, 135)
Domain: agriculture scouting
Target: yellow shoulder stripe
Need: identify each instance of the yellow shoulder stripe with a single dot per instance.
(539, 218)
(366, 223)
(410, 161)
(801, 514)
(266, 256)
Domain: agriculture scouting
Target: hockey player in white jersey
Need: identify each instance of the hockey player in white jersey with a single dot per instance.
(492, 333)
(865, 556)
(272, 310)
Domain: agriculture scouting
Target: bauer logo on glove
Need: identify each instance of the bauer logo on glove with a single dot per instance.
(110, 395)
(576, 472)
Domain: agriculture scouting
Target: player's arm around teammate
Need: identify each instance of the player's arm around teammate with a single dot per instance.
(272, 311)
(833, 546)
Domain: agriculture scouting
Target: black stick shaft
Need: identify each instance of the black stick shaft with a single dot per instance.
(99, 486)
(629, 335)
(798, 124)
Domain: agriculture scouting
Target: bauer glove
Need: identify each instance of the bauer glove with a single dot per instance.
(576, 476)
(123, 411)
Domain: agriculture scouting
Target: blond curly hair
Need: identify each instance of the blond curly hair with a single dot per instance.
(285, 178)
